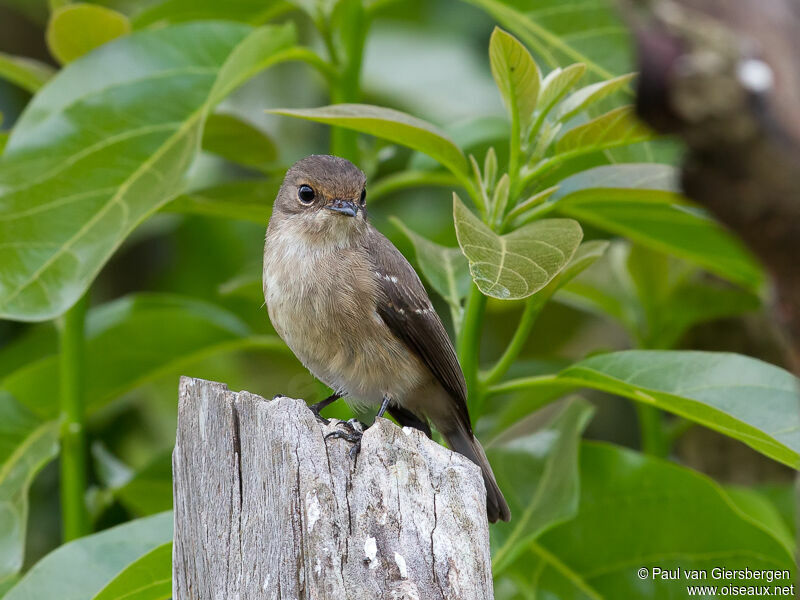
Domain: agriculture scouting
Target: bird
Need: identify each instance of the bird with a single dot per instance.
(353, 310)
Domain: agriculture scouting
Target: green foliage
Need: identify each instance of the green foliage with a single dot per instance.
(123, 553)
(128, 148)
(76, 29)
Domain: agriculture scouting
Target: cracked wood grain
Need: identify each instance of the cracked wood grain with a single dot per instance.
(266, 508)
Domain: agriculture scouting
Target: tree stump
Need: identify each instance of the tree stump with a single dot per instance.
(266, 507)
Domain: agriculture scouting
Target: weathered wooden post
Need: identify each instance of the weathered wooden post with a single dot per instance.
(265, 507)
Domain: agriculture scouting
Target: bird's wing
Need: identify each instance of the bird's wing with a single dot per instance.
(404, 306)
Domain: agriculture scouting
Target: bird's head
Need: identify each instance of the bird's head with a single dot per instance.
(323, 196)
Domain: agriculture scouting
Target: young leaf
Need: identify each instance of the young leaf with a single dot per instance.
(82, 568)
(26, 445)
(444, 268)
(160, 331)
(557, 83)
(583, 98)
(76, 178)
(518, 264)
(247, 200)
(641, 202)
(76, 29)
(678, 517)
(562, 32)
(516, 75)
(238, 141)
(27, 73)
(710, 388)
(618, 127)
(548, 494)
(389, 124)
(147, 578)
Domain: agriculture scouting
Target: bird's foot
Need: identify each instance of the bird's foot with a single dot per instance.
(317, 409)
(352, 431)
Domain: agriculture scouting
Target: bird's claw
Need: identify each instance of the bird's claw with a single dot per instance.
(350, 433)
(317, 409)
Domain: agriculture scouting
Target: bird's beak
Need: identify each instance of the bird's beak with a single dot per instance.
(345, 207)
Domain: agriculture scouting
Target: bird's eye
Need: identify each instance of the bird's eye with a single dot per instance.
(363, 196)
(305, 194)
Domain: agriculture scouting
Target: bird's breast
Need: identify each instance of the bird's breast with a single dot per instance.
(323, 305)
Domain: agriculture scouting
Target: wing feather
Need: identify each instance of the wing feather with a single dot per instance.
(404, 306)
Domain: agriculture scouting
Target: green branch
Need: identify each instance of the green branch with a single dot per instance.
(75, 521)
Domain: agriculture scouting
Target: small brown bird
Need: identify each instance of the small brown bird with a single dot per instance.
(355, 313)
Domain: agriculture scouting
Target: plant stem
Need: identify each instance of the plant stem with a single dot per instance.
(654, 439)
(75, 522)
(532, 309)
(469, 346)
(346, 88)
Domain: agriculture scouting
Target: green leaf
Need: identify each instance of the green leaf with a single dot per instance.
(319, 10)
(27, 73)
(637, 511)
(655, 297)
(581, 99)
(619, 127)
(26, 445)
(161, 333)
(389, 124)
(562, 32)
(77, 29)
(248, 200)
(640, 201)
(741, 397)
(147, 578)
(149, 491)
(82, 568)
(238, 141)
(444, 268)
(557, 83)
(76, 178)
(516, 75)
(518, 264)
(164, 12)
(548, 494)
(761, 510)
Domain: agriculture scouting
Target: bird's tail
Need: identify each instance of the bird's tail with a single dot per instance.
(463, 442)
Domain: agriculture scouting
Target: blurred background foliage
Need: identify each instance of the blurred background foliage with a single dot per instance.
(177, 290)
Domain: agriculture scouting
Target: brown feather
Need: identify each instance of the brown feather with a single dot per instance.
(404, 306)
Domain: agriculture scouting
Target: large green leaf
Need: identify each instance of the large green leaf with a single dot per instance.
(147, 578)
(562, 32)
(641, 202)
(103, 145)
(548, 493)
(389, 124)
(642, 512)
(520, 263)
(26, 445)
(77, 29)
(517, 76)
(742, 397)
(133, 340)
(444, 268)
(247, 200)
(81, 569)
